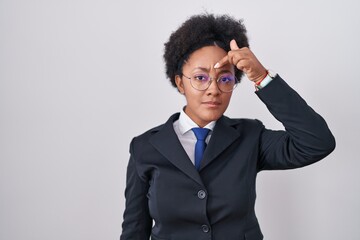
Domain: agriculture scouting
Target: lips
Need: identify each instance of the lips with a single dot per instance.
(212, 103)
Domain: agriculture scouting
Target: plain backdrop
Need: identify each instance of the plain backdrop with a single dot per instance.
(80, 78)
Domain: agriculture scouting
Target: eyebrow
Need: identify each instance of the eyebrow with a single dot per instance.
(202, 68)
(208, 70)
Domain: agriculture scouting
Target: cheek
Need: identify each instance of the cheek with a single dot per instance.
(226, 98)
(191, 94)
(192, 99)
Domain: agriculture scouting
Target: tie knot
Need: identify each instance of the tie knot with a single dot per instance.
(200, 133)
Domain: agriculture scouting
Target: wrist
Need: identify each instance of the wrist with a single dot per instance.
(265, 81)
(257, 82)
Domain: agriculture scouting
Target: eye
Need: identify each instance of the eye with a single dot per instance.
(226, 79)
(201, 77)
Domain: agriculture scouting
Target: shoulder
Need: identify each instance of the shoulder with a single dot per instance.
(244, 127)
(241, 123)
(144, 138)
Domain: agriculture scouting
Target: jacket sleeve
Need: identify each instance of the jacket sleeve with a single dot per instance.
(306, 138)
(137, 221)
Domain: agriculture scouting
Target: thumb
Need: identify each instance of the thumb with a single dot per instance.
(233, 45)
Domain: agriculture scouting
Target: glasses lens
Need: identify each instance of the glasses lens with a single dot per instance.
(227, 82)
(200, 81)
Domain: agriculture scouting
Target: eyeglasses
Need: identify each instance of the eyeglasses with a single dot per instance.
(225, 82)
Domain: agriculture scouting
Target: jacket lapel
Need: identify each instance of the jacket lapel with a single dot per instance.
(223, 136)
(168, 144)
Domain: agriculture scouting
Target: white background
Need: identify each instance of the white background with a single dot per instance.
(80, 78)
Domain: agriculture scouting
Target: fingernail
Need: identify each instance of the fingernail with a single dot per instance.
(216, 65)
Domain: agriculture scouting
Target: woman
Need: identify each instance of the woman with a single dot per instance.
(176, 188)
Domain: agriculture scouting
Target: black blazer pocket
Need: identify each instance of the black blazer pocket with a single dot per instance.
(254, 234)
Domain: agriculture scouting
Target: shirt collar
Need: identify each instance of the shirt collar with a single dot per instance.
(186, 123)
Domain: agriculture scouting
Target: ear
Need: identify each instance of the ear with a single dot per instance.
(179, 84)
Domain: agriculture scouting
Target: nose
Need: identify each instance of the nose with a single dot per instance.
(213, 88)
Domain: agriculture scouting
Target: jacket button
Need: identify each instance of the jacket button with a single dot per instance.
(205, 228)
(201, 194)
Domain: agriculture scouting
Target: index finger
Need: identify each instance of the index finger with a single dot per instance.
(222, 62)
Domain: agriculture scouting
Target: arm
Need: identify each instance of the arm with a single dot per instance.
(307, 138)
(137, 221)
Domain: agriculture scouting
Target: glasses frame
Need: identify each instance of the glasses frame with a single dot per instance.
(211, 80)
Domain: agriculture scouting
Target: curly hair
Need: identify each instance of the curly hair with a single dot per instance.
(200, 31)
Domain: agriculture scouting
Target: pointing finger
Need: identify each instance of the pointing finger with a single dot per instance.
(222, 62)
(233, 45)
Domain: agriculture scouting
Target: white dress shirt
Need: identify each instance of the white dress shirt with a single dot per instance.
(187, 138)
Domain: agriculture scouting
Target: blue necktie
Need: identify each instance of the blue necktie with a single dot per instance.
(200, 145)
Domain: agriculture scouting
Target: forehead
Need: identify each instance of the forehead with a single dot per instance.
(207, 54)
(206, 58)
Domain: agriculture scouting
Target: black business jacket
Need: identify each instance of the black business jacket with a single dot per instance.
(168, 199)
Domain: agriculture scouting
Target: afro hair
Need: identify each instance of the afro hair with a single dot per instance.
(200, 31)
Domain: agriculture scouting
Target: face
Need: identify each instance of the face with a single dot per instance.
(209, 105)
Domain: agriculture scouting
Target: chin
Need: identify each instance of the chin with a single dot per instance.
(213, 117)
